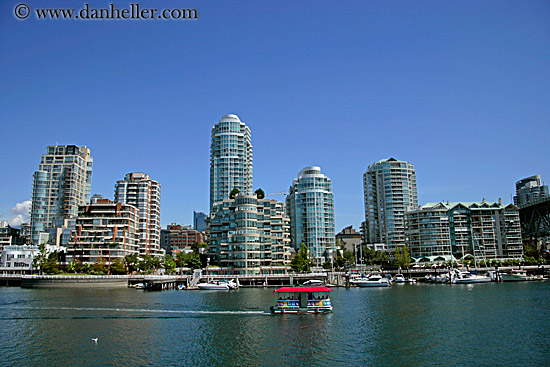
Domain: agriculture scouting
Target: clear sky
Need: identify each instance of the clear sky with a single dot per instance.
(461, 89)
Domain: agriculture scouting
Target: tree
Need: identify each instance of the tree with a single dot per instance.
(99, 267)
(188, 260)
(234, 193)
(259, 193)
(198, 245)
(131, 262)
(117, 266)
(301, 262)
(40, 258)
(169, 263)
(402, 257)
(51, 265)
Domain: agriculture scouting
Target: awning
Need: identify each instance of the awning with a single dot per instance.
(302, 289)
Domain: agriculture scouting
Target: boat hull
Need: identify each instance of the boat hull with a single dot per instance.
(300, 310)
(372, 284)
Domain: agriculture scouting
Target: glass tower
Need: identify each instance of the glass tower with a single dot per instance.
(390, 191)
(310, 204)
(230, 159)
(62, 183)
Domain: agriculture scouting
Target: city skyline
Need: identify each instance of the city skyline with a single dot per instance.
(458, 90)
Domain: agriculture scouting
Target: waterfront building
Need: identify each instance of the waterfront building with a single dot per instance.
(483, 229)
(106, 230)
(199, 221)
(248, 235)
(529, 190)
(389, 192)
(310, 205)
(139, 190)
(17, 259)
(230, 159)
(61, 184)
(176, 238)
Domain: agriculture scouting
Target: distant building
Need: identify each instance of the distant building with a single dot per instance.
(26, 233)
(177, 238)
(349, 238)
(483, 229)
(230, 159)
(139, 190)
(9, 236)
(105, 229)
(310, 205)
(62, 183)
(529, 191)
(249, 236)
(199, 221)
(390, 191)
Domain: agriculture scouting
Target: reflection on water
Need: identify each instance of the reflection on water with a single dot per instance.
(403, 325)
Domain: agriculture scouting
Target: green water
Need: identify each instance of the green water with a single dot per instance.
(405, 325)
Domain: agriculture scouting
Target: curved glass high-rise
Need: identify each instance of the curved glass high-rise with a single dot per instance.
(230, 159)
(310, 204)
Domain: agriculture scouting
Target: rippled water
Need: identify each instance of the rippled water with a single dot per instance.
(406, 325)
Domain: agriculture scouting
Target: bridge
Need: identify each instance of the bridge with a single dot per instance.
(535, 219)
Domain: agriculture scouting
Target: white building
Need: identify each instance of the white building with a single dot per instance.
(483, 229)
(389, 192)
(139, 190)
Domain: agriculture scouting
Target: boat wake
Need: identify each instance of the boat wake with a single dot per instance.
(144, 313)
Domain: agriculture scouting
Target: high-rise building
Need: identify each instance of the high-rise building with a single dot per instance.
(390, 191)
(529, 191)
(62, 183)
(249, 236)
(230, 159)
(104, 230)
(199, 221)
(139, 190)
(483, 229)
(310, 205)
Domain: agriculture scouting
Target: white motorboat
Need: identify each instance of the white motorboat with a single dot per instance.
(400, 279)
(218, 285)
(465, 277)
(313, 283)
(515, 275)
(373, 280)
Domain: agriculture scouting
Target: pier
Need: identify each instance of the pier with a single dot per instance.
(165, 282)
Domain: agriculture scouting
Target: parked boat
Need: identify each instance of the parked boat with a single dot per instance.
(442, 278)
(313, 283)
(302, 300)
(515, 275)
(400, 279)
(218, 285)
(465, 277)
(373, 280)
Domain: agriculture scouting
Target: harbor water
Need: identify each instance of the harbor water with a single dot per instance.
(406, 325)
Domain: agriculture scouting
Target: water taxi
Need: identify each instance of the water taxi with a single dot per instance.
(302, 300)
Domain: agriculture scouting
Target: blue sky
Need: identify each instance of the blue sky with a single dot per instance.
(461, 89)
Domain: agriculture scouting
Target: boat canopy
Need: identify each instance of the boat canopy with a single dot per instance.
(302, 289)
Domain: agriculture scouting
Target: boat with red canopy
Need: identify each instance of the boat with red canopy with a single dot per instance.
(302, 300)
